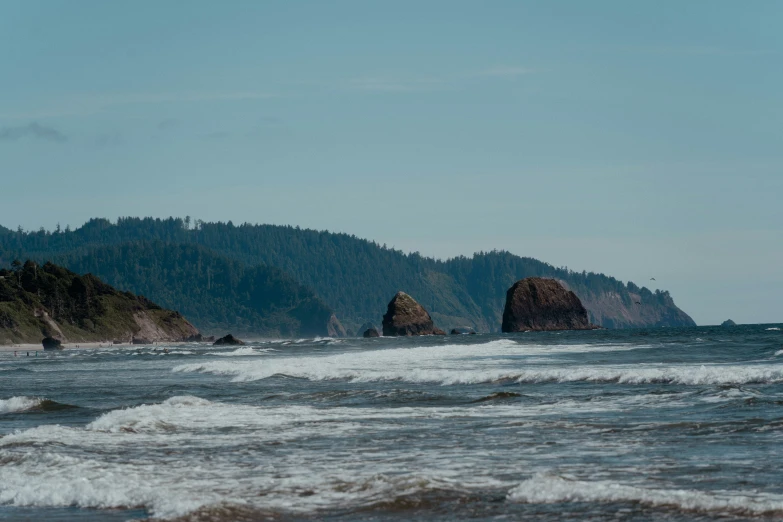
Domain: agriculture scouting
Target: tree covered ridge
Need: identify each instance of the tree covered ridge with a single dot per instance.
(216, 293)
(49, 300)
(357, 277)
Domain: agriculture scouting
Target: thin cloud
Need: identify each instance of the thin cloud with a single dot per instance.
(32, 130)
(505, 71)
(96, 103)
(388, 84)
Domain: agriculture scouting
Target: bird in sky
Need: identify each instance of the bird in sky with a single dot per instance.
(652, 279)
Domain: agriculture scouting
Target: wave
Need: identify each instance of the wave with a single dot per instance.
(241, 352)
(18, 404)
(773, 329)
(496, 361)
(543, 489)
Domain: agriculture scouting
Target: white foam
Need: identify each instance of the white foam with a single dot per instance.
(501, 360)
(167, 473)
(17, 404)
(773, 329)
(543, 489)
(241, 352)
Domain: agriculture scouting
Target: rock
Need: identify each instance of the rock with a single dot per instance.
(50, 343)
(141, 340)
(540, 304)
(462, 331)
(363, 328)
(228, 340)
(198, 338)
(334, 328)
(371, 332)
(728, 322)
(405, 316)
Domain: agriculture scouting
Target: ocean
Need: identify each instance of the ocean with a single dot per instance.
(649, 424)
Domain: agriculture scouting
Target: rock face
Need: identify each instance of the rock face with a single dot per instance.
(50, 343)
(404, 316)
(49, 301)
(728, 322)
(228, 340)
(543, 304)
(334, 328)
(371, 332)
(363, 328)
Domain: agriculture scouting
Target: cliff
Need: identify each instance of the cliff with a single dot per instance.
(50, 301)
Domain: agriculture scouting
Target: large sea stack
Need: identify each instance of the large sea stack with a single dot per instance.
(404, 316)
(540, 304)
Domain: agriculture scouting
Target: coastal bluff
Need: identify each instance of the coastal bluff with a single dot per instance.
(404, 317)
(48, 301)
(539, 304)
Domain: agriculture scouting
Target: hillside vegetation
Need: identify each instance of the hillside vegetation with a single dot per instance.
(50, 301)
(216, 293)
(354, 277)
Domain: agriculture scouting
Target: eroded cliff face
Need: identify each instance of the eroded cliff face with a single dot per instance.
(538, 304)
(633, 310)
(50, 301)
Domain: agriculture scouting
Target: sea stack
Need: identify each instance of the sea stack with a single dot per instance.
(404, 316)
(538, 304)
(228, 340)
(728, 322)
(371, 332)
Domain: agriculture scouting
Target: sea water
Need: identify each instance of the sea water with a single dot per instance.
(674, 424)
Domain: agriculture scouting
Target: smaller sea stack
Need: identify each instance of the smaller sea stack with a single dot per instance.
(538, 304)
(371, 332)
(228, 340)
(404, 316)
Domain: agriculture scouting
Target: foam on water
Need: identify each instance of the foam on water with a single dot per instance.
(242, 352)
(501, 360)
(17, 404)
(544, 489)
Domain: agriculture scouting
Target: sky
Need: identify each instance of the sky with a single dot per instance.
(637, 139)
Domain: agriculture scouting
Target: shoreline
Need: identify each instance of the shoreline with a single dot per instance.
(29, 347)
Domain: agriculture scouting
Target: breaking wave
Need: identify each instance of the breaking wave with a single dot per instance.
(17, 404)
(543, 489)
(497, 361)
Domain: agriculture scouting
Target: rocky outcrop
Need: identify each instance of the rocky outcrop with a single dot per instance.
(371, 332)
(363, 328)
(334, 328)
(404, 316)
(49, 301)
(229, 340)
(728, 322)
(50, 343)
(537, 304)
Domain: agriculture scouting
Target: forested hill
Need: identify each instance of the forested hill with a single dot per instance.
(215, 293)
(357, 277)
(47, 300)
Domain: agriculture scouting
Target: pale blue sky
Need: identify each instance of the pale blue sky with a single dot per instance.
(635, 139)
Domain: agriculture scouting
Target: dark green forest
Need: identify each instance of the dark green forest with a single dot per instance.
(354, 277)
